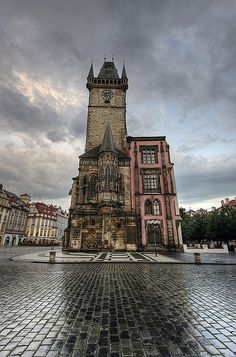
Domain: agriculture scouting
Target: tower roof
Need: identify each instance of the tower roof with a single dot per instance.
(108, 144)
(108, 70)
(91, 74)
(124, 75)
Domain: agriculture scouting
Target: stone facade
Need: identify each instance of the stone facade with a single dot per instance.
(106, 197)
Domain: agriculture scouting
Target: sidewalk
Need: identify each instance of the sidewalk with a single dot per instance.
(124, 257)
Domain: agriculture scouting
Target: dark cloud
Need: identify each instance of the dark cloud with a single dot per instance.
(43, 173)
(200, 179)
(180, 59)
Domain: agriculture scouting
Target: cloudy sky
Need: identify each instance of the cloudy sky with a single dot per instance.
(180, 57)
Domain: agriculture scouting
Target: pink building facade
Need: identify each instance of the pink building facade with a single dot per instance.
(153, 190)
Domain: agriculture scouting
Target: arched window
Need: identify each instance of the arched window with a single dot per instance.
(156, 208)
(92, 190)
(148, 207)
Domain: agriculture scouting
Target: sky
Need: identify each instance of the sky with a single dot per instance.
(180, 58)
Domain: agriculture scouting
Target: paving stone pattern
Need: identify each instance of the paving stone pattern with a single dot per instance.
(100, 309)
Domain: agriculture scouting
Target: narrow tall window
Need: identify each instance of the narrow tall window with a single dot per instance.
(156, 207)
(107, 178)
(120, 185)
(84, 187)
(148, 207)
(92, 187)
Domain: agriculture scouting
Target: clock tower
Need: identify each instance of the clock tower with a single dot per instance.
(107, 104)
(101, 216)
(124, 197)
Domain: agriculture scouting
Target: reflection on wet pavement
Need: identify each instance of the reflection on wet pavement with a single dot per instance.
(114, 310)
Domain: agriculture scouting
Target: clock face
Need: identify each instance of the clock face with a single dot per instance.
(107, 94)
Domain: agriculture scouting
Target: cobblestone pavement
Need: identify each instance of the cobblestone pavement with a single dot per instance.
(100, 309)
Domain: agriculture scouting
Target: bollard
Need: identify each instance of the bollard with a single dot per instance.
(52, 256)
(197, 258)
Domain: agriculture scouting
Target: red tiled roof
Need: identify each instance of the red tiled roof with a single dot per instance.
(45, 209)
(231, 203)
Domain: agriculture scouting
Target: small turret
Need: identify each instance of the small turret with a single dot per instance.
(90, 77)
(108, 144)
(124, 78)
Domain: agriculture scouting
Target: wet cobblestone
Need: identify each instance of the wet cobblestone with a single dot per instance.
(116, 310)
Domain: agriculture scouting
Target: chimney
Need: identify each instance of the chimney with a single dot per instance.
(1, 186)
(222, 203)
(227, 201)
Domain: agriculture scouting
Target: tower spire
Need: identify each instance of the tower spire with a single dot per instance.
(108, 144)
(91, 73)
(124, 75)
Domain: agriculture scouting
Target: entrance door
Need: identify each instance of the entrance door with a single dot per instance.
(153, 233)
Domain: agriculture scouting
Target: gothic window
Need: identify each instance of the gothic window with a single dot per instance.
(92, 189)
(156, 208)
(148, 207)
(151, 181)
(120, 185)
(149, 154)
(107, 178)
(113, 179)
(84, 186)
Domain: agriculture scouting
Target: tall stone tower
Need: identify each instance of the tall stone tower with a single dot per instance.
(101, 216)
(107, 104)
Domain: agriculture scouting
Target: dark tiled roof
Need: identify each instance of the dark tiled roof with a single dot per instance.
(93, 154)
(108, 70)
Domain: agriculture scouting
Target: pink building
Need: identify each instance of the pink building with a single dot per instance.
(153, 191)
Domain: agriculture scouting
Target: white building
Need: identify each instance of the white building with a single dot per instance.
(62, 222)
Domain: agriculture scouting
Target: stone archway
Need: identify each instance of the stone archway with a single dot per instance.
(13, 241)
(7, 241)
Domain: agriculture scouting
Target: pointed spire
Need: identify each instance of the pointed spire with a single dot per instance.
(108, 144)
(124, 75)
(91, 74)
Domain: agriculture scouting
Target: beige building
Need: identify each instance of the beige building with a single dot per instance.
(45, 224)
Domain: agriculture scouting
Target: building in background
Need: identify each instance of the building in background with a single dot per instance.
(124, 197)
(62, 222)
(5, 207)
(41, 224)
(23, 222)
(228, 203)
(16, 224)
(45, 224)
(13, 217)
